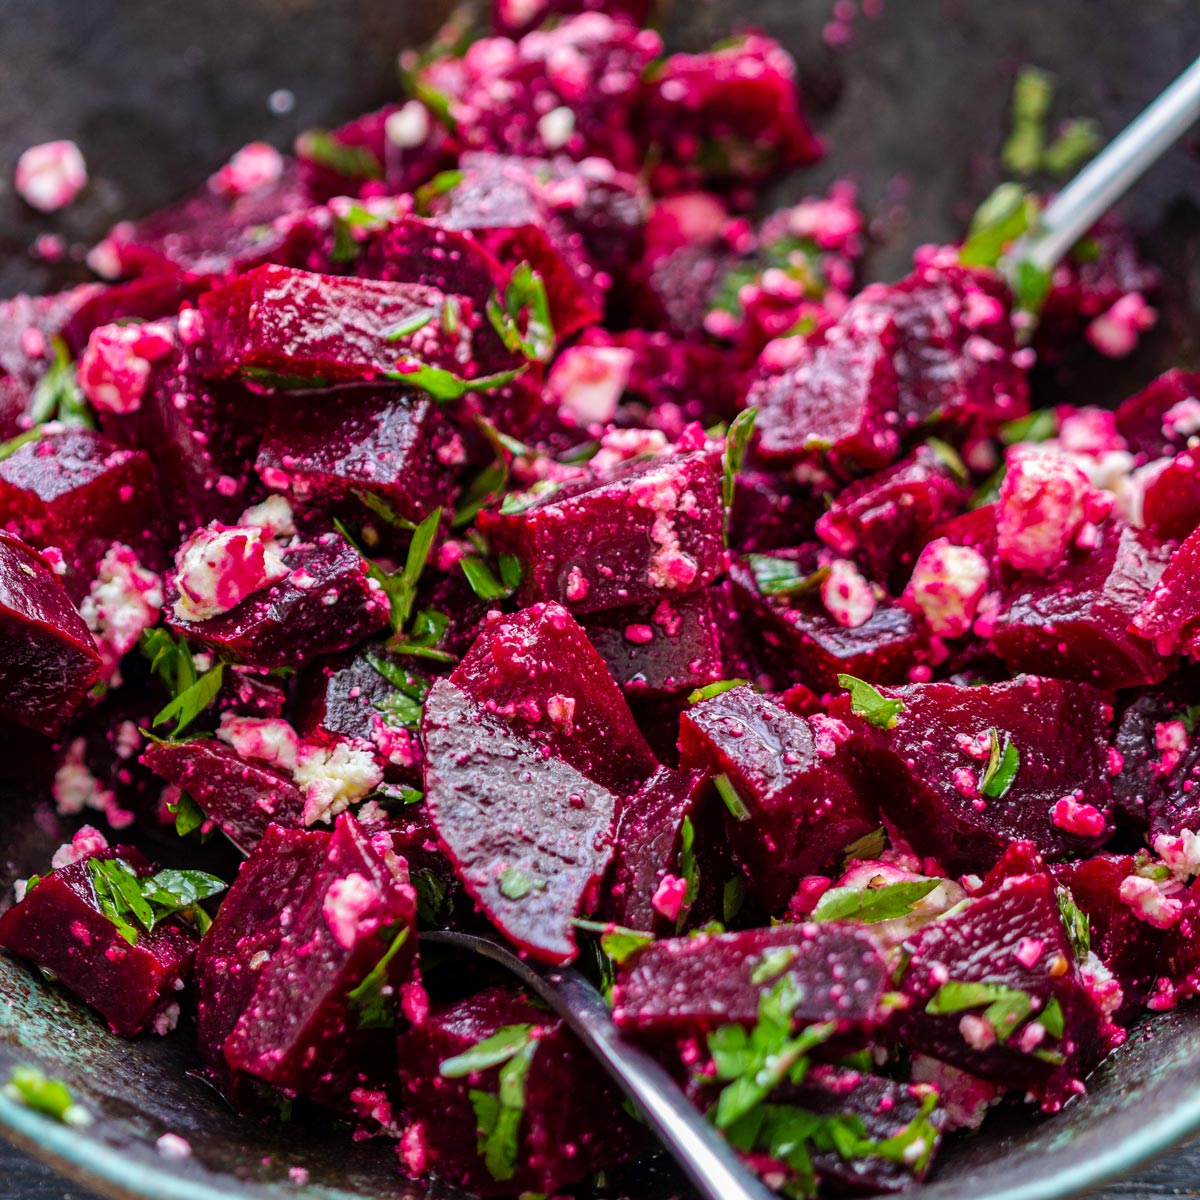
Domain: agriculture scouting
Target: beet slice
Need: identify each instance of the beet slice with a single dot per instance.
(537, 671)
(1172, 610)
(330, 450)
(650, 531)
(307, 1027)
(991, 942)
(1150, 422)
(326, 604)
(48, 660)
(80, 492)
(242, 798)
(694, 984)
(1075, 622)
(572, 1122)
(529, 836)
(926, 768)
(59, 925)
(1171, 499)
(799, 803)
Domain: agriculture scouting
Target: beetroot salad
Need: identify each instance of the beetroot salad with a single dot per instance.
(493, 516)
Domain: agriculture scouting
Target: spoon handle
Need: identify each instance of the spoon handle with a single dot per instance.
(705, 1157)
(1108, 176)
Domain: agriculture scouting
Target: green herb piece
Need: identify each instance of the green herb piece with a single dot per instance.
(618, 942)
(733, 896)
(714, 689)
(515, 884)
(1051, 1018)
(1086, 250)
(265, 378)
(371, 999)
(134, 903)
(400, 711)
(427, 630)
(526, 293)
(949, 457)
(488, 484)
(499, 1116)
(383, 510)
(733, 802)
(9, 448)
(919, 1132)
(483, 582)
(773, 964)
(432, 895)
(783, 577)
(348, 226)
(411, 325)
(440, 105)
(169, 659)
(1077, 141)
(188, 815)
(445, 385)
(192, 701)
(441, 184)
(57, 395)
(1004, 760)
(870, 704)
(319, 146)
(400, 587)
(451, 316)
(689, 870)
(519, 502)
(870, 905)
(1075, 921)
(1008, 213)
(1030, 284)
(490, 1052)
(1033, 93)
(866, 848)
(1006, 1007)
(1038, 426)
(51, 1097)
(736, 442)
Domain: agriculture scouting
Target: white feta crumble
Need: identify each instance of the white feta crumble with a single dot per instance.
(218, 567)
(347, 903)
(333, 779)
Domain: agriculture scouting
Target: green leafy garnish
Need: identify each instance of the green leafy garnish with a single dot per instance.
(441, 184)
(1004, 760)
(1007, 214)
(490, 1052)
(421, 640)
(733, 896)
(484, 488)
(1039, 426)
(689, 870)
(445, 385)
(773, 964)
(432, 897)
(1006, 1007)
(733, 802)
(736, 442)
(783, 577)
(319, 146)
(1030, 284)
(484, 582)
(526, 292)
(515, 884)
(1075, 921)
(869, 905)
(400, 587)
(499, 1116)
(57, 395)
(1033, 93)
(134, 903)
(519, 502)
(51, 1097)
(192, 701)
(870, 704)
(191, 693)
(869, 846)
(371, 999)
(1077, 141)
(402, 709)
(714, 689)
(347, 226)
(411, 324)
(188, 815)
(618, 942)
(9, 448)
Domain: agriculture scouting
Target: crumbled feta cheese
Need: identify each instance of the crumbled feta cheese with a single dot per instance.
(218, 567)
(332, 780)
(947, 585)
(254, 167)
(116, 365)
(557, 127)
(173, 1147)
(586, 382)
(75, 787)
(50, 175)
(124, 599)
(409, 126)
(346, 906)
(1171, 740)
(1181, 853)
(1043, 502)
(265, 739)
(847, 595)
(1115, 333)
(977, 1032)
(669, 897)
(1071, 816)
(1151, 900)
(166, 1020)
(274, 516)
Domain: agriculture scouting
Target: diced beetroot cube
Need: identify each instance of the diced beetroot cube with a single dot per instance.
(302, 1030)
(1171, 499)
(954, 348)
(393, 446)
(694, 984)
(60, 926)
(529, 835)
(571, 1124)
(650, 531)
(211, 232)
(538, 672)
(1158, 421)
(1075, 622)
(1172, 610)
(800, 629)
(801, 803)
(1128, 946)
(270, 888)
(1181, 955)
(731, 115)
(882, 522)
(242, 798)
(279, 323)
(48, 660)
(148, 299)
(80, 492)
(663, 649)
(769, 512)
(514, 18)
(964, 771)
(1012, 938)
(326, 603)
(839, 400)
(649, 889)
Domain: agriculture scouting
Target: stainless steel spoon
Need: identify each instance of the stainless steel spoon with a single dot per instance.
(702, 1153)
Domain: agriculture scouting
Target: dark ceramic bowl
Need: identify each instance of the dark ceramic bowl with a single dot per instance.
(914, 109)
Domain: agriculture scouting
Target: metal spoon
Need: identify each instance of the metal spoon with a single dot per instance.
(706, 1158)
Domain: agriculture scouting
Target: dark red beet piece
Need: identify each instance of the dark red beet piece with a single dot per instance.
(295, 620)
(694, 984)
(801, 803)
(301, 1029)
(1171, 612)
(1075, 622)
(1171, 500)
(395, 447)
(572, 1122)
(992, 941)
(650, 531)
(537, 671)
(1150, 422)
(514, 18)
(926, 769)
(242, 798)
(59, 926)
(48, 660)
(529, 836)
(80, 492)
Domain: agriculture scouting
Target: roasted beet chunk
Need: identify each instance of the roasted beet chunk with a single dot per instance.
(789, 782)
(242, 798)
(694, 984)
(1075, 622)
(131, 975)
(319, 964)
(533, 1121)
(538, 672)
(48, 660)
(276, 326)
(318, 600)
(650, 531)
(80, 492)
(1171, 612)
(964, 771)
(996, 990)
(1158, 421)
(529, 836)
(330, 450)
